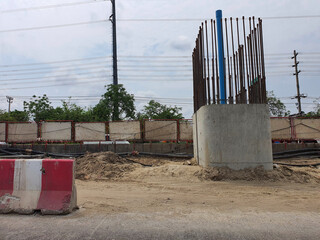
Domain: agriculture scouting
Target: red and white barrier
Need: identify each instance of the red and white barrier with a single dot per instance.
(46, 185)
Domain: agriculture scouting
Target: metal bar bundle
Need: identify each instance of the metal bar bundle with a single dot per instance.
(243, 67)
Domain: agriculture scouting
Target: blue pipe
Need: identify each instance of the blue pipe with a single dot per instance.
(221, 57)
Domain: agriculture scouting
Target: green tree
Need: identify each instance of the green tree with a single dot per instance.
(14, 116)
(116, 104)
(39, 108)
(71, 111)
(276, 107)
(316, 112)
(156, 110)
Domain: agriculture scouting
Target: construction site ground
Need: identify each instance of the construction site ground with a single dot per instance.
(137, 197)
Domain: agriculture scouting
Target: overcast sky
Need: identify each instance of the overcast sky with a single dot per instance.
(68, 48)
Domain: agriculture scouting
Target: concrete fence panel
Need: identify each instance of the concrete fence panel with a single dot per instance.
(307, 128)
(90, 131)
(47, 185)
(280, 128)
(2, 132)
(129, 130)
(186, 130)
(22, 132)
(56, 131)
(158, 130)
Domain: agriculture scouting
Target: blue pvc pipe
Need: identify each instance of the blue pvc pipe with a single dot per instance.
(221, 57)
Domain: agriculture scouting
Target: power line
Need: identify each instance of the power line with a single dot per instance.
(156, 66)
(153, 60)
(52, 68)
(125, 60)
(310, 53)
(136, 97)
(53, 26)
(52, 80)
(52, 6)
(54, 85)
(155, 70)
(53, 62)
(132, 56)
(160, 75)
(46, 72)
(290, 17)
(204, 19)
(41, 78)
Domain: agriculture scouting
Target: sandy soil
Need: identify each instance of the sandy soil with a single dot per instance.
(182, 188)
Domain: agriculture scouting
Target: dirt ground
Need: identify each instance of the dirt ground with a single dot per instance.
(157, 198)
(181, 186)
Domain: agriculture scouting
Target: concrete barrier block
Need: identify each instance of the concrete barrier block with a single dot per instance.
(29, 185)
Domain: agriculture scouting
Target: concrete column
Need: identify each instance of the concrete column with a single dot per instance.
(234, 136)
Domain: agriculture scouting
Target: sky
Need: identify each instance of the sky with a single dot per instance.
(64, 48)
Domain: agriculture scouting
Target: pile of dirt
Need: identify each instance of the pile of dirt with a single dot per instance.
(280, 173)
(110, 166)
(102, 166)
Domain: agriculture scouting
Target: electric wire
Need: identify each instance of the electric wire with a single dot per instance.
(54, 76)
(54, 62)
(55, 80)
(204, 19)
(50, 68)
(53, 26)
(55, 85)
(45, 72)
(51, 6)
(127, 60)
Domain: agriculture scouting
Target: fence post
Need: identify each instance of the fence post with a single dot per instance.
(73, 131)
(7, 132)
(178, 130)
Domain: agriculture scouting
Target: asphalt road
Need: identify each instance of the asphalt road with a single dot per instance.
(210, 224)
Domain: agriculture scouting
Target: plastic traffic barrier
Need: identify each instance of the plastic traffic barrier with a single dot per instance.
(45, 185)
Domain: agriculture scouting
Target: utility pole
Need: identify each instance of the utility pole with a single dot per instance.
(299, 96)
(113, 19)
(9, 100)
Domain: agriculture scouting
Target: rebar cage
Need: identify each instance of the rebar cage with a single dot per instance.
(240, 77)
